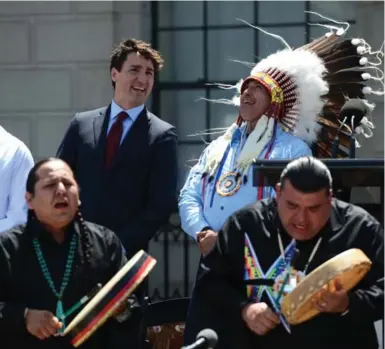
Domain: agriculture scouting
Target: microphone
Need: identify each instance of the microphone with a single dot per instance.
(353, 111)
(206, 339)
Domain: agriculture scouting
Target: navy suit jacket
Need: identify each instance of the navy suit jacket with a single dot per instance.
(136, 196)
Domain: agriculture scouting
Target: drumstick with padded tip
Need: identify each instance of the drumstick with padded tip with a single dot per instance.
(82, 301)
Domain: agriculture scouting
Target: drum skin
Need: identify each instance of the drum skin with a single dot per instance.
(348, 267)
(109, 298)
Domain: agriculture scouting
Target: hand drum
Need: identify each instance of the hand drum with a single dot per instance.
(348, 267)
(109, 298)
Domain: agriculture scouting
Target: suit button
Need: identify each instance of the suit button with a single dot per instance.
(222, 208)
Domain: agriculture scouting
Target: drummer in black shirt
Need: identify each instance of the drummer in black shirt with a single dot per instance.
(303, 227)
(49, 264)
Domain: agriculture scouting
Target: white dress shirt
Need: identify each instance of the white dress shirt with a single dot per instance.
(15, 163)
(133, 114)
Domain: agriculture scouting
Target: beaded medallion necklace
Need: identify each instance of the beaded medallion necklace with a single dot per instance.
(66, 276)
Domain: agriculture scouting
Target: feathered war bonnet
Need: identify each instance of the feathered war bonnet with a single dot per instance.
(310, 84)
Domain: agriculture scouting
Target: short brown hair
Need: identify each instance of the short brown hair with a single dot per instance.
(125, 47)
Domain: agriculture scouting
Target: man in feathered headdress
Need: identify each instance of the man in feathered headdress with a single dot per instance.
(291, 101)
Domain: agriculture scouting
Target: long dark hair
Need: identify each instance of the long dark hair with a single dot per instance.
(85, 239)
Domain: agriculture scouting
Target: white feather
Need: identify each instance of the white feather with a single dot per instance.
(306, 70)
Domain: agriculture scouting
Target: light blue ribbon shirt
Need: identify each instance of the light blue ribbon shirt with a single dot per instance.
(212, 210)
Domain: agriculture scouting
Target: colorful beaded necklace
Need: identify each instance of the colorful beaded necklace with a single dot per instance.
(66, 276)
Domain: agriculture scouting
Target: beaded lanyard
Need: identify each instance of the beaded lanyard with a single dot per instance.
(66, 276)
(313, 252)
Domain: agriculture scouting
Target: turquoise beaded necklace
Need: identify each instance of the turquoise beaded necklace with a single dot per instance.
(66, 276)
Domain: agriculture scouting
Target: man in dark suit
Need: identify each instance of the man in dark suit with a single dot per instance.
(123, 156)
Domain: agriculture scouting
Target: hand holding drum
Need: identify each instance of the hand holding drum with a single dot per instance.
(41, 324)
(325, 288)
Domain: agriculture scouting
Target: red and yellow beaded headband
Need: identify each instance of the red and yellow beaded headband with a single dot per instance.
(276, 107)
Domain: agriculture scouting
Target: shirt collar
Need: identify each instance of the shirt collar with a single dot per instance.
(4, 135)
(36, 229)
(133, 112)
(335, 219)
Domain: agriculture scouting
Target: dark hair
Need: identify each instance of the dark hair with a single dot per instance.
(126, 47)
(85, 239)
(307, 174)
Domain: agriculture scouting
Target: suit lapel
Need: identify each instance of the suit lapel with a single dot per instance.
(133, 138)
(100, 131)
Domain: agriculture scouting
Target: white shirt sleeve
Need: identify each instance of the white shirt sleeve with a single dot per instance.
(16, 212)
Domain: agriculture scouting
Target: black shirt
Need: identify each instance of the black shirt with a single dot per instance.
(222, 283)
(22, 284)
